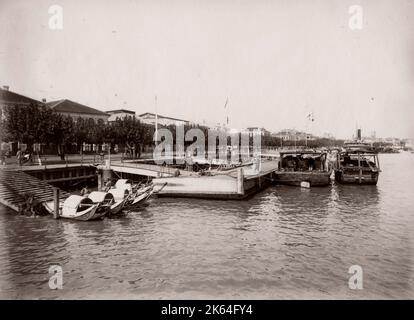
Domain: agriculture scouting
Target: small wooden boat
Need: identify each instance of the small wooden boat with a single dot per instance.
(304, 168)
(75, 207)
(357, 167)
(104, 200)
(120, 197)
(139, 197)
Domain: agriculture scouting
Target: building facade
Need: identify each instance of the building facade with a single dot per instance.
(76, 110)
(120, 113)
(10, 98)
(150, 118)
(293, 135)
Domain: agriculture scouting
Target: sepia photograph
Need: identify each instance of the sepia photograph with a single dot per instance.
(207, 150)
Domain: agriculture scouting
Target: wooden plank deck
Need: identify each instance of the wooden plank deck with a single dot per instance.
(144, 169)
(15, 185)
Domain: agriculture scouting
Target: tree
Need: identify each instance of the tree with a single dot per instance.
(37, 124)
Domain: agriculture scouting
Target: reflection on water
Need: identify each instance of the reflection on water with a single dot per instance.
(285, 242)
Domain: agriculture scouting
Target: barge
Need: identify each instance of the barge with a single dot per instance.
(304, 168)
(357, 164)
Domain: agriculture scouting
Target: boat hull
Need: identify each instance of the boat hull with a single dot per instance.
(91, 213)
(295, 178)
(139, 200)
(86, 215)
(353, 177)
(117, 207)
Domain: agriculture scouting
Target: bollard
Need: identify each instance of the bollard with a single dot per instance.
(240, 181)
(56, 202)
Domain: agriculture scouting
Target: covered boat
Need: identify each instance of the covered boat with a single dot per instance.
(357, 167)
(120, 197)
(304, 168)
(75, 207)
(124, 184)
(139, 197)
(104, 200)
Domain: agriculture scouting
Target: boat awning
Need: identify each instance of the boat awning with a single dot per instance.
(99, 196)
(124, 184)
(72, 203)
(119, 193)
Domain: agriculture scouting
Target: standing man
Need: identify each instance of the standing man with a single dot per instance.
(19, 156)
(2, 157)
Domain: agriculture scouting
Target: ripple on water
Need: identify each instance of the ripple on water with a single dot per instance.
(284, 242)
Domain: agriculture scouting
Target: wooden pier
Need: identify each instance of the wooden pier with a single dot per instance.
(238, 183)
(16, 185)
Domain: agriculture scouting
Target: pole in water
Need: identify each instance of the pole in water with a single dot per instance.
(240, 181)
(56, 203)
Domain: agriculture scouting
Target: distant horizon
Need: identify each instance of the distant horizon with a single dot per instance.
(273, 62)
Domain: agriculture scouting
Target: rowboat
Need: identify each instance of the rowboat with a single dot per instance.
(75, 207)
(304, 168)
(120, 197)
(104, 200)
(139, 197)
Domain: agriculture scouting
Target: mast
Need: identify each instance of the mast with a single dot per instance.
(156, 121)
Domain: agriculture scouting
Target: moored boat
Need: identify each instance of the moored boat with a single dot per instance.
(104, 200)
(357, 167)
(139, 197)
(120, 197)
(304, 168)
(75, 207)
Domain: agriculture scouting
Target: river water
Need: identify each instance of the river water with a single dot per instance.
(284, 243)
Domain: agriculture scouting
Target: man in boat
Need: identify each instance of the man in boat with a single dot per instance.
(311, 163)
(302, 164)
(84, 191)
(108, 185)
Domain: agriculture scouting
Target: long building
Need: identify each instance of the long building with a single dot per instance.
(293, 135)
(76, 110)
(149, 118)
(120, 113)
(10, 98)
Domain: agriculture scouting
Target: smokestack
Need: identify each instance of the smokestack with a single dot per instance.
(6, 88)
(44, 100)
(359, 134)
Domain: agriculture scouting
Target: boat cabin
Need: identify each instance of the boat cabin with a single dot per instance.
(303, 161)
(357, 167)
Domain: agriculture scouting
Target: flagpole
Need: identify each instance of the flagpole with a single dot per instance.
(156, 121)
(227, 113)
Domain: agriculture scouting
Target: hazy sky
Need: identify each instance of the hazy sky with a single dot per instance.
(276, 61)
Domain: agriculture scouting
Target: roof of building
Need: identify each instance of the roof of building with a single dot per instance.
(10, 97)
(69, 106)
(120, 111)
(162, 117)
(115, 116)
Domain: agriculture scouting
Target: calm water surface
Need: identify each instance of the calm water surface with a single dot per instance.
(283, 243)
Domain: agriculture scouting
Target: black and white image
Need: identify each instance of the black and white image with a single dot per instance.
(192, 149)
